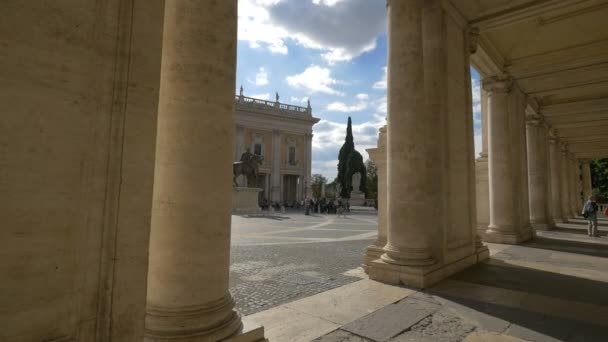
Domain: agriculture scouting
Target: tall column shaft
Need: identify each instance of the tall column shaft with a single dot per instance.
(586, 172)
(539, 189)
(188, 294)
(509, 222)
(410, 201)
(378, 156)
(565, 181)
(482, 187)
(556, 174)
(307, 176)
(574, 185)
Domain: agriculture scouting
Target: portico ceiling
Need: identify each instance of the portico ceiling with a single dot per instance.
(557, 52)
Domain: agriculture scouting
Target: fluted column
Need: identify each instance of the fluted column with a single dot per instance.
(378, 156)
(539, 189)
(556, 174)
(188, 298)
(586, 171)
(565, 181)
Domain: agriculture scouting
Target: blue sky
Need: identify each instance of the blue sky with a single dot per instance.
(332, 52)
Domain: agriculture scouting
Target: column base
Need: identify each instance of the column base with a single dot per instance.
(214, 321)
(372, 252)
(515, 238)
(417, 276)
(483, 253)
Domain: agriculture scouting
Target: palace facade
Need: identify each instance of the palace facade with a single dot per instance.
(282, 135)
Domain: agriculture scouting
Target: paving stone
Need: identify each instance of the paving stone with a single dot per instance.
(391, 320)
(341, 336)
(441, 326)
(478, 318)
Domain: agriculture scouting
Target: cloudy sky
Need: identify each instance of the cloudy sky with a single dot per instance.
(332, 52)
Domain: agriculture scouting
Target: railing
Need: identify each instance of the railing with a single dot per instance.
(270, 105)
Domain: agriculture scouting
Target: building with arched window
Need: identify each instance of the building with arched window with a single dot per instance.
(282, 135)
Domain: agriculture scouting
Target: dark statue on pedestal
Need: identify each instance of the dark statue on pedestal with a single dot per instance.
(248, 166)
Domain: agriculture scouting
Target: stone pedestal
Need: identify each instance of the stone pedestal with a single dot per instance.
(357, 198)
(245, 201)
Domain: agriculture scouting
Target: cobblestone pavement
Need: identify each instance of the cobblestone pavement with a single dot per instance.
(275, 260)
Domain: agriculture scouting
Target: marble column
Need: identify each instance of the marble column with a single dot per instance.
(508, 217)
(188, 298)
(575, 203)
(539, 189)
(565, 181)
(586, 171)
(378, 156)
(556, 174)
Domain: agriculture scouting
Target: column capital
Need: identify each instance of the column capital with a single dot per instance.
(497, 84)
(473, 39)
(585, 160)
(534, 120)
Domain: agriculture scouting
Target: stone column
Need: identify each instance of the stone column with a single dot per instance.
(586, 171)
(378, 156)
(409, 140)
(275, 195)
(565, 180)
(506, 192)
(539, 189)
(556, 175)
(481, 171)
(575, 202)
(188, 296)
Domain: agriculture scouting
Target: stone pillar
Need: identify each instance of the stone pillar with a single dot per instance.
(539, 190)
(275, 192)
(508, 219)
(410, 179)
(430, 161)
(481, 171)
(576, 200)
(378, 156)
(586, 171)
(556, 175)
(565, 179)
(188, 298)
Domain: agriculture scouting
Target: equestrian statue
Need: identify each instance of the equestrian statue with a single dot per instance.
(248, 166)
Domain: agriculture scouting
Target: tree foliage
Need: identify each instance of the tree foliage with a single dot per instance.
(599, 178)
(350, 162)
(317, 182)
(372, 179)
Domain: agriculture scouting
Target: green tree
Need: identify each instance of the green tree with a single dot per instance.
(599, 178)
(317, 182)
(350, 162)
(372, 180)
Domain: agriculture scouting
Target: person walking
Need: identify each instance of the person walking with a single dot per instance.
(590, 213)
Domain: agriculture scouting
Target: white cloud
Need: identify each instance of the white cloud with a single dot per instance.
(362, 96)
(299, 99)
(315, 79)
(264, 96)
(382, 83)
(261, 78)
(341, 29)
(344, 108)
(477, 141)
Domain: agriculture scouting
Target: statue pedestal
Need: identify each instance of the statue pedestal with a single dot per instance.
(357, 198)
(245, 201)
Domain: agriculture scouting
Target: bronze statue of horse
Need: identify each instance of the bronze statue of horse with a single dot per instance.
(249, 168)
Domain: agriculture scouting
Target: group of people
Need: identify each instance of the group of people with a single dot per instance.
(326, 206)
(590, 212)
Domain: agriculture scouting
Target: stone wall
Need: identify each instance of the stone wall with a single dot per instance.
(77, 142)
